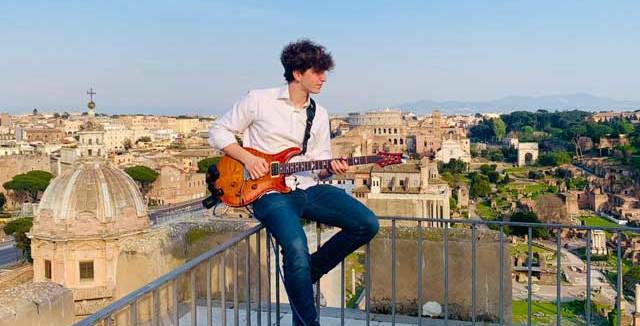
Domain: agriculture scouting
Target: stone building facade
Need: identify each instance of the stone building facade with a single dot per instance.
(390, 130)
(410, 190)
(175, 185)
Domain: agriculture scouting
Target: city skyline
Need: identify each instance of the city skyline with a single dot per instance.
(198, 58)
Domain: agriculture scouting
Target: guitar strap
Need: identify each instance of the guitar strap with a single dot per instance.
(311, 113)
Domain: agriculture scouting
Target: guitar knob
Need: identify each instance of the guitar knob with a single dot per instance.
(254, 186)
(234, 184)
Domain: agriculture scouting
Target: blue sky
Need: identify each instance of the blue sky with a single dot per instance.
(188, 57)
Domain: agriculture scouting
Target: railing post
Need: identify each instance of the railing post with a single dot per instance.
(209, 307)
(558, 277)
(368, 283)
(420, 266)
(259, 280)
(473, 273)
(501, 296)
(529, 259)
(588, 290)
(446, 273)
(393, 272)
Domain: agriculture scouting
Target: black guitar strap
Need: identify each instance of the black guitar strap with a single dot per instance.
(311, 113)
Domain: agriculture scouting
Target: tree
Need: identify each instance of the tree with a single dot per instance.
(480, 186)
(204, 164)
(3, 201)
(527, 217)
(506, 178)
(143, 175)
(18, 228)
(143, 139)
(30, 184)
(454, 166)
(623, 126)
(499, 128)
(554, 158)
(127, 143)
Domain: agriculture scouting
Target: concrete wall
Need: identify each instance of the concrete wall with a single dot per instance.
(459, 273)
(36, 304)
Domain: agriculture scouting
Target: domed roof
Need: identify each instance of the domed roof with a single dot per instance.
(95, 188)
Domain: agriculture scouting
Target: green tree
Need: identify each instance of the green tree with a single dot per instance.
(204, 164)
(527, 217)
(454, 166)
(143, 175)
(499, 128)
(562, 158)
(480, 186)
(623, 126)
(18, 228)
(453, 203)
(506, 178)
(30, 184)
(3, 201)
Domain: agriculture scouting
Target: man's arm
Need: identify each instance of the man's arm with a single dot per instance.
(222, 135)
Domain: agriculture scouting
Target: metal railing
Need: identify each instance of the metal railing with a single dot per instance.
(145, 306)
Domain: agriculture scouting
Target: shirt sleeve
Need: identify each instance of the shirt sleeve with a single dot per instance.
(222, 132)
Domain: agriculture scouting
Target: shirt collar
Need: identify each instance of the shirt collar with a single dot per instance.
(283, 94)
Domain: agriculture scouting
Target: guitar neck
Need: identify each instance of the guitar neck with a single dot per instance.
(294, 167)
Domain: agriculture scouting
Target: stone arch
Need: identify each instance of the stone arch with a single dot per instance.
(528, 158)
(527, 153)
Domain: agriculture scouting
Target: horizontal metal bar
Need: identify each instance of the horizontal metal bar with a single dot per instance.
(498, 223)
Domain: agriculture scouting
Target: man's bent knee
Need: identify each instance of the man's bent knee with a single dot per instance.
(369, 225)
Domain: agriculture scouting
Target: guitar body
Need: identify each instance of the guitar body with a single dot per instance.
(239, 189)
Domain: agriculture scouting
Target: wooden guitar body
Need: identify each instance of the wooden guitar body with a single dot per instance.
(239, 189)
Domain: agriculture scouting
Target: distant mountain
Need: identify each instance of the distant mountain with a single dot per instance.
(579, 101)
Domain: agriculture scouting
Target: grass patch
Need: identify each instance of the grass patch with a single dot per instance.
(544, 313)
(485, 211)
(522, 248)
(195, 235)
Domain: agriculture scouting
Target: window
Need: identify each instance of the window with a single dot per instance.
(86, 270)
(47, 269)
(401, 183)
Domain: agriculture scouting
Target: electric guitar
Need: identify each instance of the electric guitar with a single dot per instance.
(240, 190)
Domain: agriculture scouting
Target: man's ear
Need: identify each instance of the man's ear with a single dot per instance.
(297, 75)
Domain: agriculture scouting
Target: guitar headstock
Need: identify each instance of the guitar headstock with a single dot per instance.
(388, 158)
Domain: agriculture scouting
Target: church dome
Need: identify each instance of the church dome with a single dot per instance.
(93, 198)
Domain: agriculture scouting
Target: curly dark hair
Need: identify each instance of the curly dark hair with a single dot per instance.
(302, 55)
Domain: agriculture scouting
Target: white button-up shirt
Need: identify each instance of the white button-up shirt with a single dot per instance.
(270, 123)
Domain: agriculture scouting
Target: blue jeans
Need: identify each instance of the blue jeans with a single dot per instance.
(281, 213)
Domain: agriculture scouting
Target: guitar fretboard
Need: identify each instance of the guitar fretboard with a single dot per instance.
(293, 167)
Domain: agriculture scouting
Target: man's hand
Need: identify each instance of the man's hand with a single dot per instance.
(339, 166)
(257, 166)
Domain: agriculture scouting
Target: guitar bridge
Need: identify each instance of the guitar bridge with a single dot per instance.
(275, 169)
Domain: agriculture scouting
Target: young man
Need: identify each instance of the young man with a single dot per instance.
(273, 120)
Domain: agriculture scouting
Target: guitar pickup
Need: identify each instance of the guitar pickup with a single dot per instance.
(275, 169)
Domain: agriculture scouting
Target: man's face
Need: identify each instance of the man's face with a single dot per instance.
(312, 80)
